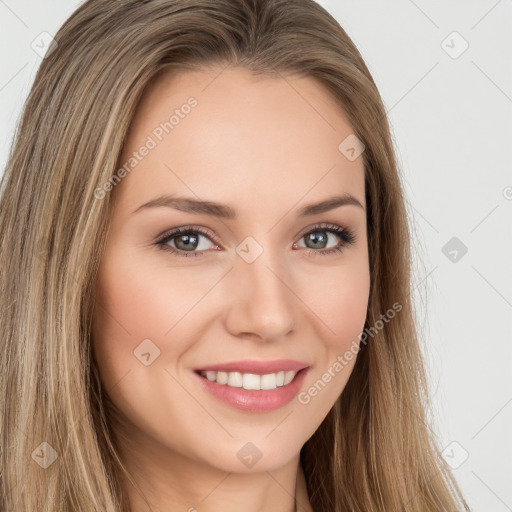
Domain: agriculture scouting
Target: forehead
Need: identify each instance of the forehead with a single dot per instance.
(246, 140)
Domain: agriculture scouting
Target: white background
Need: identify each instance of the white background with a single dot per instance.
(451, 121)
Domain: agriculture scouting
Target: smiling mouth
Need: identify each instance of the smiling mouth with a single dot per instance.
(251, 381)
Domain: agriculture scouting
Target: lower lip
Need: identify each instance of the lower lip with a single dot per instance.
(251, 400)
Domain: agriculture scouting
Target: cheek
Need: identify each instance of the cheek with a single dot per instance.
(132, 304)
(340, 312)
(339, 298)
(140, 301)
(136, 303)
(346, 306)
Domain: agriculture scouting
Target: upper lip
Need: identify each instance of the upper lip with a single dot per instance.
(256, 367)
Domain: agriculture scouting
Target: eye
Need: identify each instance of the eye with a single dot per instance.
(186, 241)
(316, 237)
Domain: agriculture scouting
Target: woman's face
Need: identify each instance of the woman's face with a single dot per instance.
(262, 281)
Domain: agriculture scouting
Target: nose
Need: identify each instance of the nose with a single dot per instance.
(261, 299)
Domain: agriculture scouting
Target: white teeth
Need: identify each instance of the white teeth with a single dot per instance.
(222, 377)
(251, 380)
(268, 381)
(288, 377)
(235, 379)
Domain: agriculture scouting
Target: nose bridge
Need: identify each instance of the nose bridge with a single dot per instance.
(262, 302)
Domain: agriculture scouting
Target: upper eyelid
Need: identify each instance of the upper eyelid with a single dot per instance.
(171, 233)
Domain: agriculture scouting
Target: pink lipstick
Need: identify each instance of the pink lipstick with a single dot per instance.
(254, 386)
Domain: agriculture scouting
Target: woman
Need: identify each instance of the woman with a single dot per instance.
(211, 304)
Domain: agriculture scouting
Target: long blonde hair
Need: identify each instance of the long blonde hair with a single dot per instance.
(374, 451)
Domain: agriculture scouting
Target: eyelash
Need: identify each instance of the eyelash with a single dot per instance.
(346, 235)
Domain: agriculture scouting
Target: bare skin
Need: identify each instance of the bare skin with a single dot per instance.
(266, 147)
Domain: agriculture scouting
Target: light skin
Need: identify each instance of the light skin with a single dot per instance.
(266, 147)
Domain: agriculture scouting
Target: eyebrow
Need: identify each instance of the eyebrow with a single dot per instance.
(190, 205)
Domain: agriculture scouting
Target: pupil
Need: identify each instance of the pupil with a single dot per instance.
(187, 241)
(315, 238)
